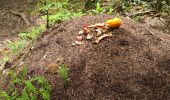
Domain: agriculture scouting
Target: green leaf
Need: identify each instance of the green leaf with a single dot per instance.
(99, 8)
(30, 87)
(40, 79)
(4, 95)
(14, 94)
(45, 94)
(24, 95)
(110, 11)
(17, 81)
(33, 97)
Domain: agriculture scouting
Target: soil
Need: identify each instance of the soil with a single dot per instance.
(133, 64)
(10, 23)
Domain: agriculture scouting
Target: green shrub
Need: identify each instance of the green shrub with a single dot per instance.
(21, 87)
(63, 73)
(32, 34)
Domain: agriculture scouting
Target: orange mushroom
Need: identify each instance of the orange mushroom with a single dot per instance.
(114, 23)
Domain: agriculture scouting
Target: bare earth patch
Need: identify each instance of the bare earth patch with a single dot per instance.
(133, 64)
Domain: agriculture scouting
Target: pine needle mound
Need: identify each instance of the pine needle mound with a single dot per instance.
(133, 64)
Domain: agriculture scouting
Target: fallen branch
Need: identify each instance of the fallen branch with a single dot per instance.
(22, 16)
(140, 13)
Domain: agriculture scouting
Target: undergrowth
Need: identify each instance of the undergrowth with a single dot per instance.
(63, 73)
(16, 46)
(22, 87)
(59, 10)
(32, 34)
(124, 6)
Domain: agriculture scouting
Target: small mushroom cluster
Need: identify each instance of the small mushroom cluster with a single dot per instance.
(94, 32)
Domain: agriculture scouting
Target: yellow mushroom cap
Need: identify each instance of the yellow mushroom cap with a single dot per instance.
(114, 23)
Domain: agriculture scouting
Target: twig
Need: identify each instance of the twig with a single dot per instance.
(164, 23)
(150, 33)
(140, 13)
(117, 5)
(22, 16)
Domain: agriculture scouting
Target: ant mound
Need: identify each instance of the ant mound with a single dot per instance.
(134, 63)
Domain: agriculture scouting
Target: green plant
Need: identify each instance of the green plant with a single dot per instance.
(22, 88)
(158, 6)
(61, 16)
(63, 73)
(32, 34)
(90, 4)
(165, 7)
(19, 44)
(16, 46)
(99, 9)
(60, 11)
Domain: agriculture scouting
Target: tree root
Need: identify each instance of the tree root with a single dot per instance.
(22, 16)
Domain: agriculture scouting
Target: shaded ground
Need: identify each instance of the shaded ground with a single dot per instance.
(10, 23)
(133, 64)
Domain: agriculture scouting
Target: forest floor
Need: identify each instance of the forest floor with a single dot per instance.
(14, 18)
(132, 64)
(11, 24)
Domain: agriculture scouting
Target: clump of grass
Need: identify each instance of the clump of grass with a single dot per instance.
(63, 72)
